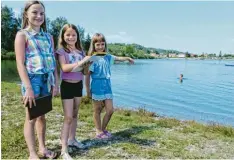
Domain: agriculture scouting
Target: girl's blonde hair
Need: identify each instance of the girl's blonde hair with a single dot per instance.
(25, 19)
(61, 41)
(97, 37)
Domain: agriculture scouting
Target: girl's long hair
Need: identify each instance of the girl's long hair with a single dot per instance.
(25, 19)
(61, 41)
(97, 37)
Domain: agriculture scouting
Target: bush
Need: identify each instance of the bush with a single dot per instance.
(7, 55)
(3, 51)
(11, 55)
(144, 112)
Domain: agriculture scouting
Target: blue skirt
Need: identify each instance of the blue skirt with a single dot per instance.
(101, 89)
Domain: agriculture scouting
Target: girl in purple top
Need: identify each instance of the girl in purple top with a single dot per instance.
(70, 55)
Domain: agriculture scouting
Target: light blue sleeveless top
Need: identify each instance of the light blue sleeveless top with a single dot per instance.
(101, 69)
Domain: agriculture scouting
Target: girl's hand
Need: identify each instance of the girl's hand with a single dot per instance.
(87, 64)
(86, 67)
(55, 90)
(131, 61)
(29, 98)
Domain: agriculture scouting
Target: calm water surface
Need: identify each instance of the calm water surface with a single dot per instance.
(206, 94)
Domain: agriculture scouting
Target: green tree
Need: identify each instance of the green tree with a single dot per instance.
(167, 55)
(48, 24)
(187, 54)
(87, 42)
(82, 35)
(9, 28)
(220, 54)
(129, 49)
(156, 52)
(55, 26)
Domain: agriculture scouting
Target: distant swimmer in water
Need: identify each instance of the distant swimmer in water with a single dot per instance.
(181, 78)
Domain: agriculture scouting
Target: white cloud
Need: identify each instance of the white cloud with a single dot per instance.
(121, 37)
(94, 30)
(91, 31)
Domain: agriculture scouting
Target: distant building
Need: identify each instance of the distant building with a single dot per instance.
(172, 55)
(181, 55)
(154, 55)
(162, 55)
(193, 55)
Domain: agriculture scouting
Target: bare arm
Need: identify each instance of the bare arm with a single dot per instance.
(68, 67)
(55, 90)
(87, 84)
(56, 77)
(20, 59)
(64, 66)
(124, 59)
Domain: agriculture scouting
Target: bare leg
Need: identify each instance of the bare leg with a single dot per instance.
(41, 128)
(41, 131)
(29, 136)
(72, 134)
(109, 111)
(68, 112)
(97, 116)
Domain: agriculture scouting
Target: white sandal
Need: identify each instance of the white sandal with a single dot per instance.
(76, 143)
(66, 156)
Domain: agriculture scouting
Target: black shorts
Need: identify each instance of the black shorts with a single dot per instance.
(71, 90)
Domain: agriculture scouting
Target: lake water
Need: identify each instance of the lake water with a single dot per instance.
(205, 95)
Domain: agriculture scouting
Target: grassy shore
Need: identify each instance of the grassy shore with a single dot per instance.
(136, 134)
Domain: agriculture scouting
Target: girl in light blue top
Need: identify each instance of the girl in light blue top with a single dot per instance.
(101, 84)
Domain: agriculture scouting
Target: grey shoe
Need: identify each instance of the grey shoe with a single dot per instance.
(76, 143)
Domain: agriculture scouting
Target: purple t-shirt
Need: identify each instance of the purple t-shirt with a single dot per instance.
(72, 57)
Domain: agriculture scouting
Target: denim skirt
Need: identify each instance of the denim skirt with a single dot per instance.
(101, 89)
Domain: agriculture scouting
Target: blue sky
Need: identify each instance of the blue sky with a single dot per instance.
(195, 27)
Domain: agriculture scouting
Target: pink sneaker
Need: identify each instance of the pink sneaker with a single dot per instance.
(102, 136)
(107, 133)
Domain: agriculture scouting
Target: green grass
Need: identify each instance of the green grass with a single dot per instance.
(136, 133)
